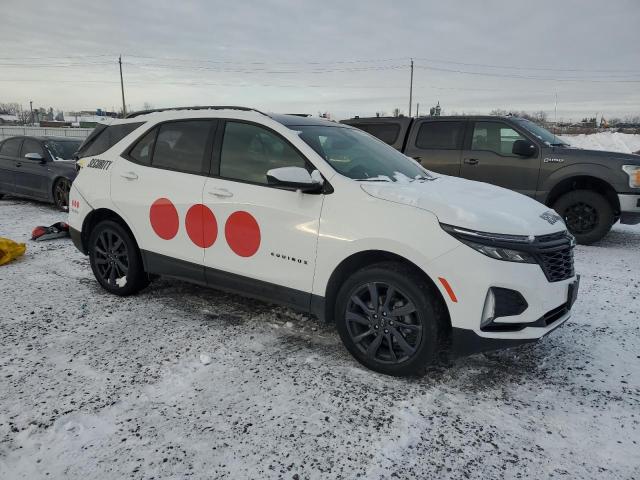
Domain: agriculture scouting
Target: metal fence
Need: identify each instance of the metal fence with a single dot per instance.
(81, 133)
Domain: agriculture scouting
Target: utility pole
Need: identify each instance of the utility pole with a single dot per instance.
(124, 107)
(411, 89)
(31, 109)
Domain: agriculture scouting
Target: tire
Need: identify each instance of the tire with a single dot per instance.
(588, 215)
(400, 351)
(61, 188)
(114, 255)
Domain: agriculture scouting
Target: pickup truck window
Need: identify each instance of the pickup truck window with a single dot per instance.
(357, 155)
(495, 137)
(440, 136)
(387, 132)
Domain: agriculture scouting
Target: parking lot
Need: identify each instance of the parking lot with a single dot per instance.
(182, 381)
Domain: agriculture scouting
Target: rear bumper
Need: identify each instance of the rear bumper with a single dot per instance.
(76, 238)
(629, 208)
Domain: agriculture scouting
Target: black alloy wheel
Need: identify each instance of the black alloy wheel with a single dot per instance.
(111, 257)
(115, 259)
(61, 193)
(382, 322)
(587, 214)
(581, 217)
(391, 318)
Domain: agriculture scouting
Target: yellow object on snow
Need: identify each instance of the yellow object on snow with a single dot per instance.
(10, 250)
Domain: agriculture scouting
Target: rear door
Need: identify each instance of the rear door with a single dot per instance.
(437, 144)
(31, 176)
(488, 158)
(9, 158)
(157, 188)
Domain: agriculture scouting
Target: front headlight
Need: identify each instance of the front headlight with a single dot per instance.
(634, 175)
(494, 245)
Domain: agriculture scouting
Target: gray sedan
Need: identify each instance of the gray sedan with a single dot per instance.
(41, 168)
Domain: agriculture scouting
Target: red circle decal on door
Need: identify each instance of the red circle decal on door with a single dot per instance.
(201, 225)
(164, 218)
(242, 233)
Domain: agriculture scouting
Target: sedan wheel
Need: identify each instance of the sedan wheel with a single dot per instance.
(61, 193)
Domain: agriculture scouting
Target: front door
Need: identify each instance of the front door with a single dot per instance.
(265, 237)
(32, 175)
(9, 158)
(437, 144)
(489, 158)
(158, 191)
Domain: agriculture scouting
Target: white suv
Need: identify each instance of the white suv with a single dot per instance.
(325, 219)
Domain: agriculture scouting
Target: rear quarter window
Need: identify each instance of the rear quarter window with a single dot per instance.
(106, 139)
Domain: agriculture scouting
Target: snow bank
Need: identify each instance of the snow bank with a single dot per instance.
(609, 141)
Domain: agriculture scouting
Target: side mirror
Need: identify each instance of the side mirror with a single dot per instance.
(295, 178)
(35, 156)
(524, 148)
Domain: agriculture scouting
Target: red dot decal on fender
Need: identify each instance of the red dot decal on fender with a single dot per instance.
(164, 218)
(201, 225)
(242, 233)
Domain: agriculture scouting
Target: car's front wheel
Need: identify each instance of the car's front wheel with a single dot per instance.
(587, 214)
(115, 259)
(61, 189)
(390, 319)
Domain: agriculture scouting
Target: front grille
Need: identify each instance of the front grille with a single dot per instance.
(555, 255)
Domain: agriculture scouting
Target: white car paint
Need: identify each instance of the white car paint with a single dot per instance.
(323, 230)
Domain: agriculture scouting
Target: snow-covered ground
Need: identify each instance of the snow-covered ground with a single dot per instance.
(186, 382)
(609, 141)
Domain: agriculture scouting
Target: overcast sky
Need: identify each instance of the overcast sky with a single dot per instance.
(343, 57)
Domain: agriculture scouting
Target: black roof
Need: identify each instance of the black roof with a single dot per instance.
(298, 121)
(43, 138)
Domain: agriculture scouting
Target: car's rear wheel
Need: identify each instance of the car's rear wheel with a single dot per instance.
(61, 189)
(115, 259)
(588, 215)
(390, 319)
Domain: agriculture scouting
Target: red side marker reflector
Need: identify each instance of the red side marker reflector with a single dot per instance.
(449, 290)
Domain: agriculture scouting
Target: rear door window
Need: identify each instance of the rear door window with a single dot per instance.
(387, 132)
(182, 146)
(11, 147)
(440, 136)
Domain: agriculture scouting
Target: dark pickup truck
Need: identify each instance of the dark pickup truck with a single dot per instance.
(590, 189)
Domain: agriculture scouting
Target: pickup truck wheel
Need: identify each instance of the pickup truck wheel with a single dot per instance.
(388, 319)
(588, 215)
(115, 259)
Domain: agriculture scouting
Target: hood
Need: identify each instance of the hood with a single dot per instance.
(597, 155)
(473, 205)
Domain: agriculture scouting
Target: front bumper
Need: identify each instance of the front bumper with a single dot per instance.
(471, 274)
(629, 208)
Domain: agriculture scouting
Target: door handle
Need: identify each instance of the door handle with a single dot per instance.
(129, 175)
(18, 164)
(220, 193)
(471, 161)
(418, 159)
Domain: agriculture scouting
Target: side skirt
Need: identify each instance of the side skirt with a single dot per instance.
(158, 264)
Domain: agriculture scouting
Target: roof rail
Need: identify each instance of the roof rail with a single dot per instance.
(203, 107)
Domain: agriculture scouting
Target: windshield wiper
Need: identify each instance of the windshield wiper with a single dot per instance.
(372, 180)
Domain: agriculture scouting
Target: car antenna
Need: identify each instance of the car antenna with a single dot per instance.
(555, 122)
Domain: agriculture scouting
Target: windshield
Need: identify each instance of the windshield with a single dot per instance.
(542, 133)
(62, 149)
(358, 155)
